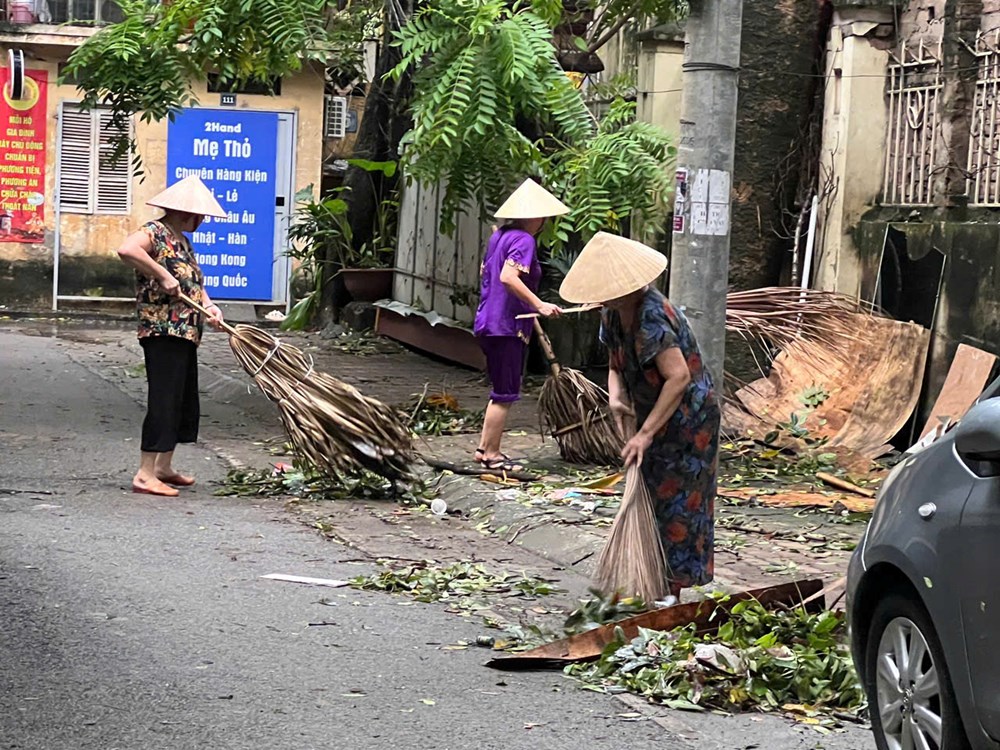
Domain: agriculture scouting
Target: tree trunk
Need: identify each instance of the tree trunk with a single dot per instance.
(383, 124)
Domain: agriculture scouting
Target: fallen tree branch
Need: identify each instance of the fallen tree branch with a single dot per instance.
(843, 484)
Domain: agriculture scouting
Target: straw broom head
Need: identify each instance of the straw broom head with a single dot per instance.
(633, 561)
(330, 423)
(575, 410)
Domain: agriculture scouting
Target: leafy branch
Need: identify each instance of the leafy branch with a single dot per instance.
(150, 62)
(492, 105)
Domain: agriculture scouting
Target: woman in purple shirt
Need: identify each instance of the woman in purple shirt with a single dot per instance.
(511, 272)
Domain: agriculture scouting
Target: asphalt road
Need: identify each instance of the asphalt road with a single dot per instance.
(131, 622)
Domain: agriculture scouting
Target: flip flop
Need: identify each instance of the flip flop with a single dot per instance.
(502, 464)
(481, 456)
(177, 480)
(139, 489)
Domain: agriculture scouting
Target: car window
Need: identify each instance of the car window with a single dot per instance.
(992, 391)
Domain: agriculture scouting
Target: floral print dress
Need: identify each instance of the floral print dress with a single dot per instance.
(680, 466)
(160, 314)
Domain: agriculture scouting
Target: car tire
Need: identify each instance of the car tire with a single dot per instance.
(903, 698)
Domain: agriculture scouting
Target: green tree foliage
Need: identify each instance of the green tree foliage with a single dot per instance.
(149, 62)
(617, 175)
(485, 75)
(610, 16)
(478, 66)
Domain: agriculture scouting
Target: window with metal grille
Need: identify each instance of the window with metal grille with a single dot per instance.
(82, 11)
(984, 135)
(913, 89)
(89, 183)
(336, 116)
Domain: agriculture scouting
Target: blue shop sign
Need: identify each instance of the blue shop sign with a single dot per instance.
(235, 154)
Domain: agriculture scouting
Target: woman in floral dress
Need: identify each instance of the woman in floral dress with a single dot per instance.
(657, 375)
(169, 329)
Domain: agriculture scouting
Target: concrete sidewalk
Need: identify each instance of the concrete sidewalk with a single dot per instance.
(755, 546)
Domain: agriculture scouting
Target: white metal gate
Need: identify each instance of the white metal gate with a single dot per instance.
(913, 88)
(984, 136)
(436, 272)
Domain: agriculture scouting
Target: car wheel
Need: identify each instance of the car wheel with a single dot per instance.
(908, 686)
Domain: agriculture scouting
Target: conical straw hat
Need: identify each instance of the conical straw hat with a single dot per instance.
(531, 201)
(610, 267)
(191, 196)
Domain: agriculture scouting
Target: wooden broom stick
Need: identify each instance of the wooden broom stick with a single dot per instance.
(580, 309)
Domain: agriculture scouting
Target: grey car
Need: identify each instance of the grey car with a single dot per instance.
(924, 593)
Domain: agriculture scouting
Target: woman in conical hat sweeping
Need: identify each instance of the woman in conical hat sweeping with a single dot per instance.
(511, 273)
(656, 373)
(170, 330)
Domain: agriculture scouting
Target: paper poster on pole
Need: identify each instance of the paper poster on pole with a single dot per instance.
(710, 202)
(23, 124)
(235, 154)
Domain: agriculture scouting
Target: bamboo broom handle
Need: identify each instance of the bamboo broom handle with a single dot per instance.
(225, 326)
(580, 309)
(550, 355)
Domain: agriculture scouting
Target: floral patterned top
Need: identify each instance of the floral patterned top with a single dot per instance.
(159, 314)
(680, 465)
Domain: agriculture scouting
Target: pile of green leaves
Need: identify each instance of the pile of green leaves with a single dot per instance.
(306, 482)
(428, 582)
(442, 416)
(601, 610)
(768, 660)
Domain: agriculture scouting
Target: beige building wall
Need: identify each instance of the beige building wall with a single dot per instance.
(853, 148)
(659, 86)
(100, 235)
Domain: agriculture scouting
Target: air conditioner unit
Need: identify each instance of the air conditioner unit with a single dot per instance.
(336, 117)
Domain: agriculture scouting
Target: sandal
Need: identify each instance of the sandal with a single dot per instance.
(481, 456)
(503, 464)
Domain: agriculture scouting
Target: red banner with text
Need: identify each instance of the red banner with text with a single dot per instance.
(22, 158)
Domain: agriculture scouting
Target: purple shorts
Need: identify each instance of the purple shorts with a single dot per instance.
(504, 365)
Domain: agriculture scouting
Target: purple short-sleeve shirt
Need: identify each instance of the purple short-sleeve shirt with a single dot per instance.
(498, 307)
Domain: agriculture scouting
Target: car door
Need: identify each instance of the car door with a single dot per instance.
(978, 583)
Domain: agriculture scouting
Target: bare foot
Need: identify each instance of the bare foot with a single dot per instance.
(176, 479)
(152, 486)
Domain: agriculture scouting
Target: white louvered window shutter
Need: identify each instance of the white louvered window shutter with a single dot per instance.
(114, 181)
(76, 183)
(336, 116)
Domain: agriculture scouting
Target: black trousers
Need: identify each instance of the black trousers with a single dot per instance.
(172, 408)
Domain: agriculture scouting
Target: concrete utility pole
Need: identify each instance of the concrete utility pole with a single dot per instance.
(699, 266)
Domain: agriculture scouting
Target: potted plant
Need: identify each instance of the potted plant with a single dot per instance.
(317, 240)
(367, 271)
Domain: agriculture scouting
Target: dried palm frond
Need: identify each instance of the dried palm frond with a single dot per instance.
(576, 412)
(330, 423)
(773, 318)
(633, 562)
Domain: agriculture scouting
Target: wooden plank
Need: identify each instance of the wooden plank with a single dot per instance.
(467, 278)
(707, 614)
(447, 249)
(969, 372)
(423, 266)
(402, 290)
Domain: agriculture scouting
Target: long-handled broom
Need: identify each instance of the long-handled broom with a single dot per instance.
(633, 562)
(576, 412)
(330, 424)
